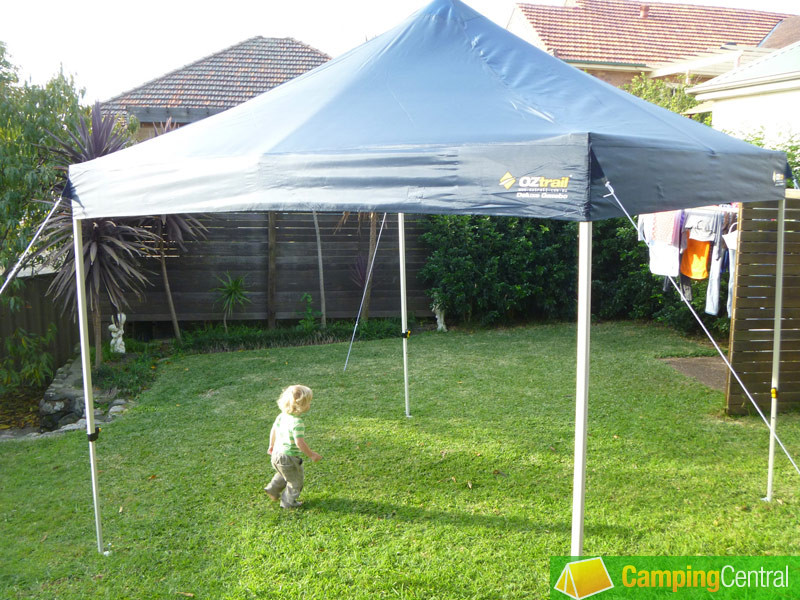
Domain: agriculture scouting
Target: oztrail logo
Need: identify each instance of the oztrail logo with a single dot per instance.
(584, 578)
(508, 180)
(534, 182)
(536, 187)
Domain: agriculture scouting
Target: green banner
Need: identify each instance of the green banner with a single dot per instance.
(740, 577)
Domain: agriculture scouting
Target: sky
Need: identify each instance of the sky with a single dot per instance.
(112, 47)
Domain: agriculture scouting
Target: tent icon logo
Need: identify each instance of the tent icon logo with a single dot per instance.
(508, 180)
(584, 578)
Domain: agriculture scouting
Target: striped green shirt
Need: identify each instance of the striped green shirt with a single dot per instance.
(288, 429)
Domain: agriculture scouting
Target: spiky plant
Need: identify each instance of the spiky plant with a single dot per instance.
(111, 248)
(232, 293)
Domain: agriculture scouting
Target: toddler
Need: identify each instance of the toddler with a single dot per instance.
(287, 445)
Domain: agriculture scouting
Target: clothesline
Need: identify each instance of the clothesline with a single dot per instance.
(713, 341)
(692, 245)
(716, 208)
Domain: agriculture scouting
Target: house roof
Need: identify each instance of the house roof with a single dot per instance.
(219, 81)
(785, 33)
(712, 63)
(641, 33)
(781, 65)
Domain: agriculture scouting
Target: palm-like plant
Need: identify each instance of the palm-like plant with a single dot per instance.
(112, 247)
(232, 293)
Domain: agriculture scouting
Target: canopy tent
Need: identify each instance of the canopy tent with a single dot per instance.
(445, 114)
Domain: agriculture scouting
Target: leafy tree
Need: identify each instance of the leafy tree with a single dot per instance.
(27, 170)
(789, 144)
(665, 94)
(28, 175)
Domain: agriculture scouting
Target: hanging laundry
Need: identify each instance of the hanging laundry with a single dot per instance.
(667, 227)
(694, 263)
(731, 240)
(718, 254)
(689, 245)
(661, 231)
(703, 225)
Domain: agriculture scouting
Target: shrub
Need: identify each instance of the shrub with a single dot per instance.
(27, 362)
(131, 372)
(488, 269)
(247, 337)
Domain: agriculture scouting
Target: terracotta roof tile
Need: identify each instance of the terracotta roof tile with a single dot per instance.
(224, 79)
(787, 32)
(618, 31)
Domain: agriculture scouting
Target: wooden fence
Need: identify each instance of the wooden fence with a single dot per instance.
(754, 308)
(239, 244)
(38, 312)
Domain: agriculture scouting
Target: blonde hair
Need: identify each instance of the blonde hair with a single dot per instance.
(295, 399)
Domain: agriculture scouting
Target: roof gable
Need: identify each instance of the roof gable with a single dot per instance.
(785, 33)
(641, 33)
(223, 79)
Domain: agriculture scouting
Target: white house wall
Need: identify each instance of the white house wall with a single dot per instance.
(776, 114)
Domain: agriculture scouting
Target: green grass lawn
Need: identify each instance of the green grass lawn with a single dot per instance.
(467, 499)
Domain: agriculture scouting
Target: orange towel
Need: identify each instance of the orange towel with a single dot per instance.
(694, 262)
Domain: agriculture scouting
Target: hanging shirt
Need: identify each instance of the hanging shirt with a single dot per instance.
(661, 231)
(694, 263)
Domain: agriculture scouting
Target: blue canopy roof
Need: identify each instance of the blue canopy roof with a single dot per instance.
(445, 113)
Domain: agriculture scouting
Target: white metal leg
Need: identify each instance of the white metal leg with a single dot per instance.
(582, 383)
(401, 233)
(776, 345)
(80, 282)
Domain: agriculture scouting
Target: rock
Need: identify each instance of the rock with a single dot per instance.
(79, 424)
(63, 402)
(53, 406)
(67, 419)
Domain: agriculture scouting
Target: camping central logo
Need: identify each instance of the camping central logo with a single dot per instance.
(508, 180)
(584, 578)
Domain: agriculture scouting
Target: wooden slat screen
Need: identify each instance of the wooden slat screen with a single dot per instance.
(754, 308)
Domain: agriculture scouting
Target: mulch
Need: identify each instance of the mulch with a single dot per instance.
(708, 370)
(21, 409)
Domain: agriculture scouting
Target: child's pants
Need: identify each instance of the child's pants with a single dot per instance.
(288, 481)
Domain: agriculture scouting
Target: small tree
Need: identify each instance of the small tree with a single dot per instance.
(112, 247)
(665, 94)
(172, 230)
(359, 271)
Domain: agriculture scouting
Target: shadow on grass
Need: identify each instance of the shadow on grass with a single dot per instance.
(411, 514)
